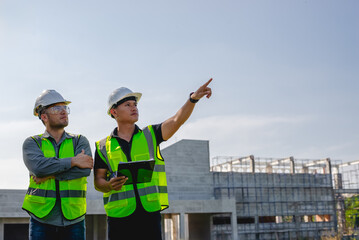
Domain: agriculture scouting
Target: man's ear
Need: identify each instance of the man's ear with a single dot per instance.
(113, 112)
(44, 117)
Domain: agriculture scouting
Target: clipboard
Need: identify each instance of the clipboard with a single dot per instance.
(137, 171)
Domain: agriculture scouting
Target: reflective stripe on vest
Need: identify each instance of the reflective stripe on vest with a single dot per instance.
(152, 189)
(153, 195)
(119, 196)
(159, 179)
(41, 198)
(41, 192)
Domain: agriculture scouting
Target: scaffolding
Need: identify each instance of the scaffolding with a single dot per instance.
(346, 184)
(349, 172)
(277, 198)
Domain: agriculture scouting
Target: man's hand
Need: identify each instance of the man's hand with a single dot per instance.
(116, 183)
(82, 160)
(204, 90)
(39, 180)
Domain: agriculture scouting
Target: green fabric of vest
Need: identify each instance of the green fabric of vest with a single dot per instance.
(153, 195)
(41, 198)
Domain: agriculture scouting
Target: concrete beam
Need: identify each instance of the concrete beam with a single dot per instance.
(346, 191)
(202, 206)
(235, 161)
(348, 163)
(316, 163)
(281, 161)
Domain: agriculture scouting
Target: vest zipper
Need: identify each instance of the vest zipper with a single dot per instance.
(57, 183)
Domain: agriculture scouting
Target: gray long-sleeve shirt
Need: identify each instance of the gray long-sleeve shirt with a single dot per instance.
(41, 166)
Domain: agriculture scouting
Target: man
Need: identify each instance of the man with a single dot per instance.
(133, 210)
(59, 163)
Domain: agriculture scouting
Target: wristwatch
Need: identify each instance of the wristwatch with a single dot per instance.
(191, 99)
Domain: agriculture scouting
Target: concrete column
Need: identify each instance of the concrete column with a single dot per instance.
(106, 230)
(95, 227)
(176, 227)
(256, 222)
(252, 164)
(341, 214)
(297, 221)
(328, 166)
(338, 182)
(211, 227)
(172, 228)
(292, 166)
(168, 226)
(186, 235)
(234, 225)
(1, 229)
(184, 226)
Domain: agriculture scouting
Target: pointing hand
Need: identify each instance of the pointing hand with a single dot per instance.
(204, 90)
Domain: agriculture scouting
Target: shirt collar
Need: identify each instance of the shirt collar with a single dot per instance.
(114, 132)
(48, 135)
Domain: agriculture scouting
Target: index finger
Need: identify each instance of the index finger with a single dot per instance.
(207, 83)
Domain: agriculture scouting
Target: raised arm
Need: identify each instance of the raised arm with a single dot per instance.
(171, 125)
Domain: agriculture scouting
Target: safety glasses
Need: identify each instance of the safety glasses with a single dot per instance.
(58, 109)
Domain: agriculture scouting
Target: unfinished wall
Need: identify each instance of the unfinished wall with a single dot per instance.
(279, 205)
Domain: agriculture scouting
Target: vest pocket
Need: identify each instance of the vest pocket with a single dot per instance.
(73, 191)
(36, 199)
(116, 204)
(152, 197)
(77, 201)
(142, 157)
(39, 193)
(151, 193)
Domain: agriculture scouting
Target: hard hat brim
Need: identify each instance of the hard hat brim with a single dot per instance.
(137, 95)
(36, 110)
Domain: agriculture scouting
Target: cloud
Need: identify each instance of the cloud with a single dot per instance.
(13, 133)
(14, 174)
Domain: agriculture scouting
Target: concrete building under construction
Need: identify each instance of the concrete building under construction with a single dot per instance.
(227, 198)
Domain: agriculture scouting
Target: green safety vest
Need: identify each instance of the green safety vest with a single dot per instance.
(153, 195)
(40, 198)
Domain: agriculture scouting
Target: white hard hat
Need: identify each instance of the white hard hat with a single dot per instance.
(47, 98)
(120, 94)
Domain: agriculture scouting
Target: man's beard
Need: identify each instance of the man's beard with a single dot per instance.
(59, 125)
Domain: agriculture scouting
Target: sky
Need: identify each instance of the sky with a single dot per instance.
(285, 73)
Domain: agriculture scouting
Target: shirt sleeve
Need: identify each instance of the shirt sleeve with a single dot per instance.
(157, 129)
(99, 163)
(75, 172)
(38, 164)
